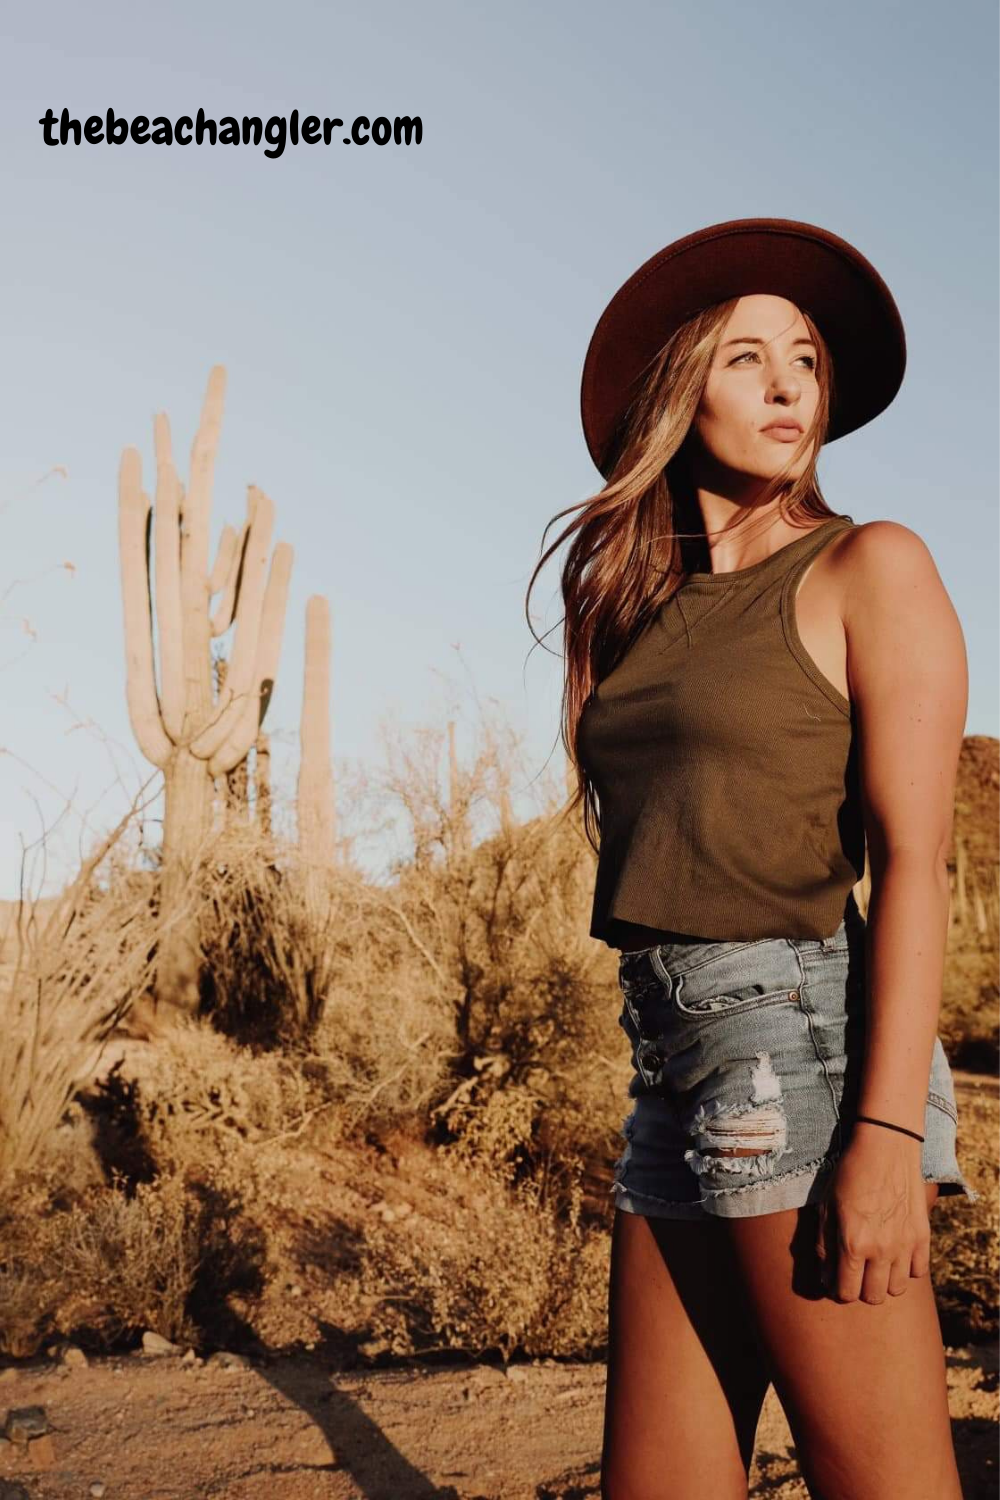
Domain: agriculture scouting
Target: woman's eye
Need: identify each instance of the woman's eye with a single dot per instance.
(753, 353)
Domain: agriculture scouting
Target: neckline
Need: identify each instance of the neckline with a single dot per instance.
(736, 574)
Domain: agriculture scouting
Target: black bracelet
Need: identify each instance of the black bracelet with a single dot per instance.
(890, 1127)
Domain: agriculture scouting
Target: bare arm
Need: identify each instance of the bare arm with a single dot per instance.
(908, 680)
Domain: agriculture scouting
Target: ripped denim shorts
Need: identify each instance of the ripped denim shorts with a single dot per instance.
(754, 1047)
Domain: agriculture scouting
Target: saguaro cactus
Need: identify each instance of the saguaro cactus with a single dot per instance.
(314, 794)
(179, 726)
(262, 783)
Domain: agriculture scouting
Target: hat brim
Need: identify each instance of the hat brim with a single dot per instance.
(817, 270)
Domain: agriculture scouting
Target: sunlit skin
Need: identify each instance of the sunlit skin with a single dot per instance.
(762, 372)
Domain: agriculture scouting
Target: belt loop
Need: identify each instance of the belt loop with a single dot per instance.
(661, 973)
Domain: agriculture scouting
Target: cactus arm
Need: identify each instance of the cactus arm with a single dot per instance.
(167, 537)
(194, 559)
(249, 715)
(239, 682)
(223, 617)
(223, 560)
(133, 547)
(314, 793)
(315, 718)
(203, 450)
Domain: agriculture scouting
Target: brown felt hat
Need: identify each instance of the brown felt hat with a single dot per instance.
(818, 271)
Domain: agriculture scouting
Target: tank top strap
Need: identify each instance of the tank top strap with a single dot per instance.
(786, 608)
(812, 544)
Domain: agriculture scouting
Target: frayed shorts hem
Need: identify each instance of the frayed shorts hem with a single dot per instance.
(795, 1189)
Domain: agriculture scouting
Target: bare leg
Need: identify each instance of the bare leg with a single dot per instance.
(863, 1386)
(685, 1377)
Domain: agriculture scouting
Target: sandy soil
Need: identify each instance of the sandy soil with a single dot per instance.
(160, 1428)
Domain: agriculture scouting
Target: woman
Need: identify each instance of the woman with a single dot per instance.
(756, 687)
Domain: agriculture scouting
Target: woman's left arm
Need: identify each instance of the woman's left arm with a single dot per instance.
(908, 681)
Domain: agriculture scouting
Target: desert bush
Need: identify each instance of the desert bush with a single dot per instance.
(509, 1271)
(105, 1268)
(385, 1045)
(964, 1245)
(268, 950)
(75, 975)
(500, 927)
(197, 1103)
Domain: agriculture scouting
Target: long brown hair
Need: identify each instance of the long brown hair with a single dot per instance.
(626, 558)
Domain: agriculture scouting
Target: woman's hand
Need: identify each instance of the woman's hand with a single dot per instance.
(874, 1228)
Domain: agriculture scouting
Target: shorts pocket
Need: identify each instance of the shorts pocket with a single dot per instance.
(746, 978)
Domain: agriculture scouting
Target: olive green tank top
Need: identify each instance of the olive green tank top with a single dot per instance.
(725, 765)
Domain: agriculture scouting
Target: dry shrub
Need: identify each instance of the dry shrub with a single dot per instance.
(309, 962)
(267, 950)
(384, 1051)
(106, 1268)
(499, 929)
(964, 1241)
(199, 1103)
(75, 975)
(507, 1272)
(495, 1135)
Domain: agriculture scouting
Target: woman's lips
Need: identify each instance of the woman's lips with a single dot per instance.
(783, 434)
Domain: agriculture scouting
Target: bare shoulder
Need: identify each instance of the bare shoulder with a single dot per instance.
(903, 634)
(884, 565)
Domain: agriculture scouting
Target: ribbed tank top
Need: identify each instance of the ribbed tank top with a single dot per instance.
(725, 765)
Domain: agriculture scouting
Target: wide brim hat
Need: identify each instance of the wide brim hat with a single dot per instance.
(821, 273)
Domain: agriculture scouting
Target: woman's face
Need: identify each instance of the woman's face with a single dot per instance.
(764, 372)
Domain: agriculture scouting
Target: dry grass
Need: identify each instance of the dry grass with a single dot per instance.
(76, 965)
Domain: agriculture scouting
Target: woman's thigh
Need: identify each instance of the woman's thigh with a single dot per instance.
(863, 1385)
(686, 1381)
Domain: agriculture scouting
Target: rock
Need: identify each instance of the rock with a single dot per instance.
(41, 1454)
(74, 1357)
(11, 1491)
(516, 1372)
(223, 1359)
(97, 1489)
(155, 1343)
(24, 1423)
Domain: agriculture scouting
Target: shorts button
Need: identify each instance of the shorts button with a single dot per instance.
(793, 994)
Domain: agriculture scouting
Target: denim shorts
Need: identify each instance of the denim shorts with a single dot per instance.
(756, 1047)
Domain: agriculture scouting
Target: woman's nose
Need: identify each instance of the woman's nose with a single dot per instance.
(784, 388)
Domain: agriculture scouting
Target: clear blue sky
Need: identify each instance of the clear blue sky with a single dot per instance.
(404, 328)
